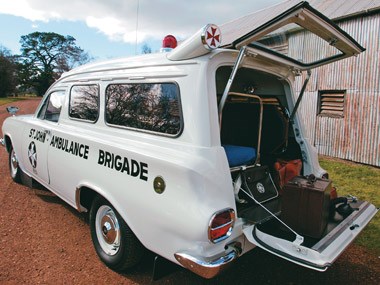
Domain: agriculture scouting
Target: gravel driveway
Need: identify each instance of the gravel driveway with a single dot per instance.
(43, 240)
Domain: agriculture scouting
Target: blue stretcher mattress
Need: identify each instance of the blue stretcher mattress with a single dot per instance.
(239, 155)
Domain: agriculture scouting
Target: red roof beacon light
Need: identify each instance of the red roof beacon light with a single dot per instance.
(168, 43)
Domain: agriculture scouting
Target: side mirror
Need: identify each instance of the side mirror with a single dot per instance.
(12, 110)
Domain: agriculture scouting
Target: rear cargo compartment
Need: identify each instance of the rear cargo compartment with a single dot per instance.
(311, 242)
(285, 208)
(255, 130)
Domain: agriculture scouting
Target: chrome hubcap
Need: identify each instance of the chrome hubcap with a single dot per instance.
(107, 230)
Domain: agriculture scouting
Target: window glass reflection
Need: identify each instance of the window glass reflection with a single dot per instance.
(84, 102)
(151, 107)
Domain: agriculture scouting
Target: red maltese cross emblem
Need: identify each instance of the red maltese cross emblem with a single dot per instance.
(212, 36)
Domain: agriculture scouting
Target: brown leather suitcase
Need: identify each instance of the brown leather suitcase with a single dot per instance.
(305, 205)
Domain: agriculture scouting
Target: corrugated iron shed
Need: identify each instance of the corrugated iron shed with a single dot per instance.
(241, 26)
(343, 9)
(355, 135)
(333, 9)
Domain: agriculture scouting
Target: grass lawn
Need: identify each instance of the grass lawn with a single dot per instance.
(8, 100)
(362, 181)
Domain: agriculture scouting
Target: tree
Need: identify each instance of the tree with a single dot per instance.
(146, 49)
(45, 56)
(8, 77)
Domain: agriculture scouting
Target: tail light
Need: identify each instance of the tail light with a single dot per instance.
(220, 226)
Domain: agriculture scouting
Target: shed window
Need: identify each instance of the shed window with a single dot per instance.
(153, 107)
(331, 103)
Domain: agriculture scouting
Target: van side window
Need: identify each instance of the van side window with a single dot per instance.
(145, 106)
(84, 102)
(51, 109)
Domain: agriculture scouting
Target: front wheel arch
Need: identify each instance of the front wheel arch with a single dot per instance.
(8, 143)
(14, 166)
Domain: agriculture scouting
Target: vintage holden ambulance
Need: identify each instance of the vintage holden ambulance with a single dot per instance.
(184, 153)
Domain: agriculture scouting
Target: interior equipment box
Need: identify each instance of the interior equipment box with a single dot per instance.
(305, 205)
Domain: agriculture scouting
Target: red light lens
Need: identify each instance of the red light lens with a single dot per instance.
(219, 232)
(221, 219)
(221, 225)
(169, 42)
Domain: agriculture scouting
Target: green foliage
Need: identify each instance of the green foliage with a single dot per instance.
(8, 67)
(45, 56)
(362, 181)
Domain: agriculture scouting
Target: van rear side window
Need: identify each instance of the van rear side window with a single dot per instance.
(153, 107)
(84, 102)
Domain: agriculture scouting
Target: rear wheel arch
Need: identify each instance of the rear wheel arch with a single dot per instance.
(84, 197)
(114, 241)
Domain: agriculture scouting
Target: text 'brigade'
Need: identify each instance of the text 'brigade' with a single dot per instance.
(122, 164)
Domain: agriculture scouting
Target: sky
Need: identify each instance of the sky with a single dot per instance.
(107, 28)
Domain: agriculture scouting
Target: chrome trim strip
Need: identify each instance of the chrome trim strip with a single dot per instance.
(302, 92)
(77, 199)
(78, 205)
(2, 141)
(221, 226)
(208, 267)
(237, 65)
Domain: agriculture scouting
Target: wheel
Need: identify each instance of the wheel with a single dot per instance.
(114, 242)
(14, 167)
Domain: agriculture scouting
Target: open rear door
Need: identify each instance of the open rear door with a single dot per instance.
(321, 254)
(298, 36)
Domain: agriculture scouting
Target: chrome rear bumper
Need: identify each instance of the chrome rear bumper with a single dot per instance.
(209, 267)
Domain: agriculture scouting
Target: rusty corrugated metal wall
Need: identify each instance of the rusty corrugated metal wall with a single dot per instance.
(356, 136)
